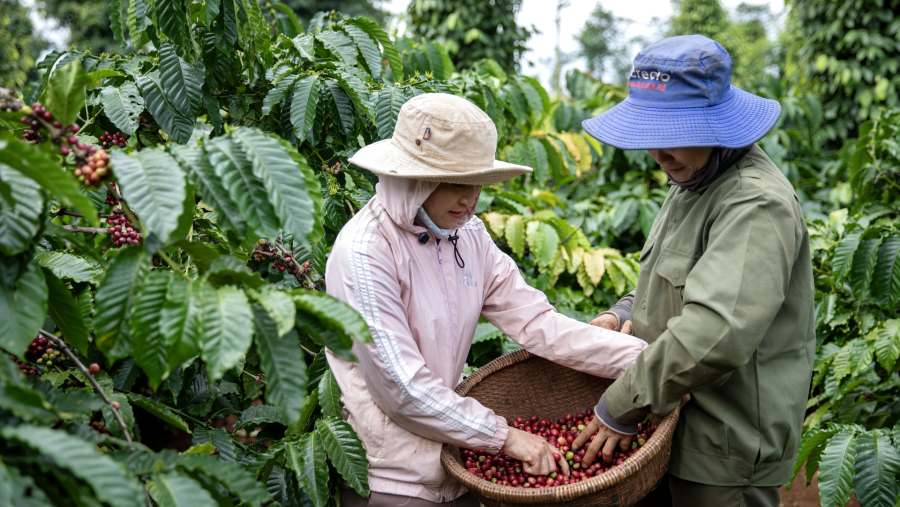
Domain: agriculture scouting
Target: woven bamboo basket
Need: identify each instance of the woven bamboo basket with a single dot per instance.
(511, 385)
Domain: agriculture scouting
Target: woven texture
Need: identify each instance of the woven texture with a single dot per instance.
(517, 384)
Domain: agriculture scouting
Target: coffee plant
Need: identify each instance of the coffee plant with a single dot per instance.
(165, 214)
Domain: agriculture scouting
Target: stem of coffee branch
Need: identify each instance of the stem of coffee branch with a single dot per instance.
(112, 405)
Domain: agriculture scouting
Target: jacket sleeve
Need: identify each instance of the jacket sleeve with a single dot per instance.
(525, 315)
(731, 296)
(622, 309)
(401, 384)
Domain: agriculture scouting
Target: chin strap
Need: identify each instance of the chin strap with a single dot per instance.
(453, 239)
(440, 234)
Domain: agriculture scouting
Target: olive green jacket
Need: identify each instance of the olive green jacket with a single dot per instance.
(725, 299)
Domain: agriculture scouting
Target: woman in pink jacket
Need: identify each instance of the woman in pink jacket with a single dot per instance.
(421, 269)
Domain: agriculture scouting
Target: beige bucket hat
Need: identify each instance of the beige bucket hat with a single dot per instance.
(440, 137)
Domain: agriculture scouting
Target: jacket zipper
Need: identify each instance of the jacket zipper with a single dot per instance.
(450, 314)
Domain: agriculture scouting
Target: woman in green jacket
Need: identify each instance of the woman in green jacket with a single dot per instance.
(725, 294)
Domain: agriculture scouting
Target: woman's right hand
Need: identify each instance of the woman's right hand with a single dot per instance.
(537, 456)
(610, 321)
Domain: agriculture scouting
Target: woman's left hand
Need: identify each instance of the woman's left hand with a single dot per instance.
(606, 440)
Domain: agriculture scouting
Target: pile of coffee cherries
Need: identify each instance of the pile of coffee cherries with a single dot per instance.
(506, 471)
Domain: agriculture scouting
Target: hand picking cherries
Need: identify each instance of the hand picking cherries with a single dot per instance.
(506, 471)
(120, 229)
(91, 163)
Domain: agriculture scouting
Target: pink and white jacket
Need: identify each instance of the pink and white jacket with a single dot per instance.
(422, 309)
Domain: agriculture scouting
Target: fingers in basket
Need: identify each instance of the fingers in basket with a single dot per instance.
(593, 449)
(592, 427)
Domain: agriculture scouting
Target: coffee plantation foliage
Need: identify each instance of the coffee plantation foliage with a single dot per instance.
(165, 219)
(186, 366)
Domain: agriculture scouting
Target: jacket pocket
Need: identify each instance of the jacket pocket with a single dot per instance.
(674, 267)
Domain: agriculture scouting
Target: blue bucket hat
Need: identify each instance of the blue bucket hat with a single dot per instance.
(680, 95)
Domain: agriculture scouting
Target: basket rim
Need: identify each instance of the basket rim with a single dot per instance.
(658, 442)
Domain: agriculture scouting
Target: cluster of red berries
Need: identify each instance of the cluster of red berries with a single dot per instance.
(91, 163)
(120, 229)
(282, 260)
(117, 138)
(41, 123)
(507, 471)
(25, 367)
(36, 349)
(100, 427)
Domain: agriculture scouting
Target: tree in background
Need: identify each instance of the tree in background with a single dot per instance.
(744, 36)
(849, 55)
(87, 21)
(307, 8)
(601, 44)
(19, 48)
(472, 29)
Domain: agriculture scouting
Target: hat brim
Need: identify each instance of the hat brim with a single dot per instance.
(386, 158)
(739, 121)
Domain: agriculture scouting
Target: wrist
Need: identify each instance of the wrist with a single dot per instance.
(602, 413)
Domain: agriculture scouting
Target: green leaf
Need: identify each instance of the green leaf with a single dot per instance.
(234, 477)
(175, 490)
(222, 441)
(160, 411)
(303, 107)
(113, 302)
(153, 185)
(877, 466)
(277, 93)
(543, 242)
(342, 105)
(195, 163)
(123, 106)
(72, 267)
(178, 322)
(812, 441)
(180, 81)
(330, 395)
(227, 328)
(886, 278)
(335, 322)
(282, 363)
(836, 470)
(367, 48)
(844, 252)
(174, 122)
(25, 403)
(626, 212)
(109, 480)
(33, 162)
(515, 234)
(387, 47)
(15, 488)
(279, 306)
(257, 415)
(345, 452)
(307, 459)
(22, 310)
(863, 265)
(66, 91)
(887, 344)
(172, 20)
(138, 20)
(387, 109)
(147, 343)
(63, 309)
(233, 170)
(290, 183)
(20, 213)
(339, 45)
